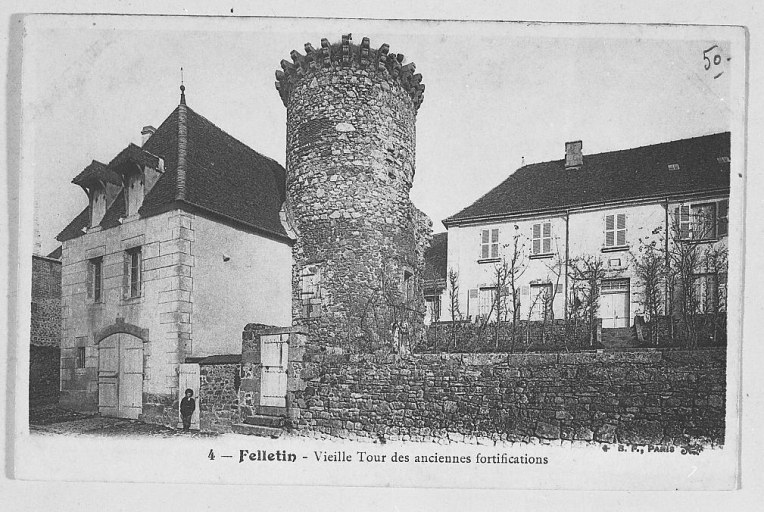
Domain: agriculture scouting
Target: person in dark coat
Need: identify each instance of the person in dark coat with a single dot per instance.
(187, 408)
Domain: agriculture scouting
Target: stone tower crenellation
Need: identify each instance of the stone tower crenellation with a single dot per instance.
(350, 159)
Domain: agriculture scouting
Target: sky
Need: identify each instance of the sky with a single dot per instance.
(497, 94)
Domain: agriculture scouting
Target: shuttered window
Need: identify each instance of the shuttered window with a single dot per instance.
(489, 243)
(615, 230)
(723, 222)
(542, 238)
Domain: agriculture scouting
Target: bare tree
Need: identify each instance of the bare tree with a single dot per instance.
(453, 303)
(587, 272)
(716, 264)
(650, 269)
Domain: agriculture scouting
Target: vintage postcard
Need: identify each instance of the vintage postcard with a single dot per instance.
(381, 253)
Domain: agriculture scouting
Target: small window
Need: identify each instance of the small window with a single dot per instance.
(489, 243)
(80, 357)
(310, 292)
(615, 230)
(134, 272)
(542, 238)
(96, 279)
(311, 279)
(673, 167)
(723, 159)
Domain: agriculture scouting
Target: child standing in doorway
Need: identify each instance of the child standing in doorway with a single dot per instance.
(187, 408)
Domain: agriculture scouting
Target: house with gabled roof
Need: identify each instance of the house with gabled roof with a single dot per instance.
(180, 245)
(603, 205)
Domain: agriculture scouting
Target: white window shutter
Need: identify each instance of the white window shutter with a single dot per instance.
(609, 227)
(621, 229)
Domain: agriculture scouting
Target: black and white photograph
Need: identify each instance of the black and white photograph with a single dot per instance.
(378, 252)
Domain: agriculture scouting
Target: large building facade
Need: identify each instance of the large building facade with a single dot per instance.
(549, 220)
(180, 236)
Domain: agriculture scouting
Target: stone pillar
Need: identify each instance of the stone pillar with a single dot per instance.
(351, 113)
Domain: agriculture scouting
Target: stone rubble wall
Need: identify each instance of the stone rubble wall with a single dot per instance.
(350, 165)
(632, 397)
(46, 302)
(219, 396)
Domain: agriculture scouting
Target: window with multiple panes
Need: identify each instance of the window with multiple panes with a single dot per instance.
(96, 279)
(134, 272)
(542, 238)
(615, 230)
(489, 243)
(706, 221)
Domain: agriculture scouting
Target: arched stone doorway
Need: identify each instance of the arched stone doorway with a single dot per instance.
(120, 376)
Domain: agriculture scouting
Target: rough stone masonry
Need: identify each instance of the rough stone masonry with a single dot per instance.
(351, 113)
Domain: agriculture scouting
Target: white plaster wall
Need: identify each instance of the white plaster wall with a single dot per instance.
(255, 285)
(464, 255)
(586, 237)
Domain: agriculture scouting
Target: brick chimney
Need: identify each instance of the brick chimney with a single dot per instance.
(147, 132)
(574, 159)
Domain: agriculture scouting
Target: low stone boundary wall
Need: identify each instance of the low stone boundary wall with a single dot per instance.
(219, 396)
(632, 397)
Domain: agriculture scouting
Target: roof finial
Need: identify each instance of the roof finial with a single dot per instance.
(182, 88)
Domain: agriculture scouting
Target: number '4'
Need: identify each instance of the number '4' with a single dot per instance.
(211, 455)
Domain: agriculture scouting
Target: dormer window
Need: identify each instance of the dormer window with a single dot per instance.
(102, 186)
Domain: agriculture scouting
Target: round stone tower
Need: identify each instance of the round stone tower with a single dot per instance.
(350, 152)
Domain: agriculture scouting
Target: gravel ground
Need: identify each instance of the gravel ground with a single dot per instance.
(50, 419)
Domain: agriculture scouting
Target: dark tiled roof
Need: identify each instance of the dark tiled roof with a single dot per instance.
(607, 177)
(75, 227)
(96, 171)
(435, 262)
(56, 254)
(223, 176)
(133, 153)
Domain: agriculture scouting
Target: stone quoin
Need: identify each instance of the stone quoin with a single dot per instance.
(350, 157)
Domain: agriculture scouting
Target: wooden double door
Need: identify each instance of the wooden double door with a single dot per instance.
(614, 303)
(120, 376)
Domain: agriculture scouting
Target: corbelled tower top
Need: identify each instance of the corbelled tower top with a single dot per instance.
(346, 55)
